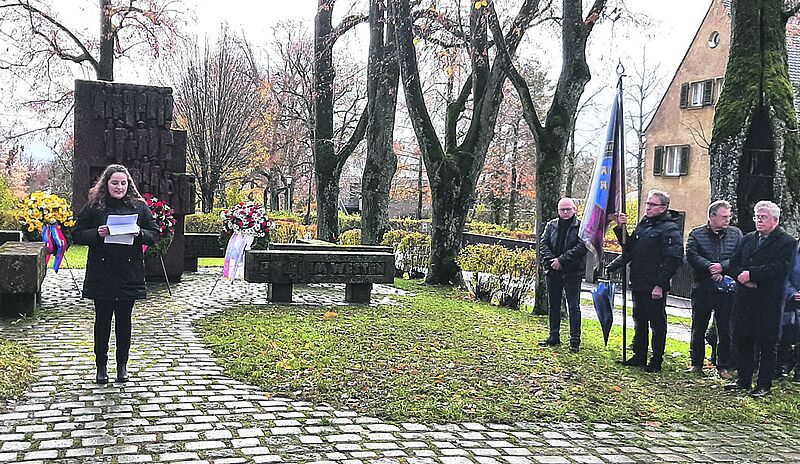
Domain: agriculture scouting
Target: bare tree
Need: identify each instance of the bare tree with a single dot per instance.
(328, 160)
(382, 82)
(646, 82)
(218, 101)
(39, 45)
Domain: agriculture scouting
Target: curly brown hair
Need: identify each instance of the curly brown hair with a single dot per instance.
(98, 195)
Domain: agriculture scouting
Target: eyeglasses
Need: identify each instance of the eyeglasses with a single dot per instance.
(653, 205)
(761, 217)
(565, 210)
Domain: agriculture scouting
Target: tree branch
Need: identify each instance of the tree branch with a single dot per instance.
(355, 138)
(347, 24)
(84, 56)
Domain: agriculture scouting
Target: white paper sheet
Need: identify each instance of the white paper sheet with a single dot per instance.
(119, 224)
(122, 228)
(122, 239)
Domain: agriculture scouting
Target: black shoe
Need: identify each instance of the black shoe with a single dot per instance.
(760, 392)
(102, 375)
(796, 377)
(122, 373)
(634, 362)
(735, 387)
(654, 366)
(574, 348)
(549, 342)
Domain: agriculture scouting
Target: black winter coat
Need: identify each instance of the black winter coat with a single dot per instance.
(573, 258)
(655, 251)
(758, 310)
(705, 247)
(114, 271)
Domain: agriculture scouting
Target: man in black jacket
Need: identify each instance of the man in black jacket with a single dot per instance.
(563, 254)
(708, 251)
(760, 265)
(655, 250)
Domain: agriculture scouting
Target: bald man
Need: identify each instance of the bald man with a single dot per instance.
(563, 256)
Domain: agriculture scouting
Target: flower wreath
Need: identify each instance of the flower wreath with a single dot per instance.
(164, 216)
(49, 218)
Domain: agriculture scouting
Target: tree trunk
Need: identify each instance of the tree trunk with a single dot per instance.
(754, 146)
(207, 197)
(420, 193)
(324, 74)
(105, 65)
(514, 190)
(450, 207)
(381, 163)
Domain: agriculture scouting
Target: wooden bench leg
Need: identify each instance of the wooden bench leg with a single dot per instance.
(357, 293)
(280, 293)
(18, 304)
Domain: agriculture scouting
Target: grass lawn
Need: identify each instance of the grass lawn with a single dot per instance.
(16, 369)
(672, 319)
(441, 357)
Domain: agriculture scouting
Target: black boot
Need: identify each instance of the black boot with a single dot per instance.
(102, 374)
(654, 366)
(122, 372)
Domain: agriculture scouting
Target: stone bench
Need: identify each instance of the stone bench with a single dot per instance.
(24, 269)
(200, 246)
(358, 270)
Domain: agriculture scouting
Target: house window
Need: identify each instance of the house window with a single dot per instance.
(713, 40)
(671, 161)
(697, 94)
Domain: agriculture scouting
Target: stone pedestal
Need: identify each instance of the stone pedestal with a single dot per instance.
(23, 270)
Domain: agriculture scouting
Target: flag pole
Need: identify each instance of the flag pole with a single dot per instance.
(623, 208)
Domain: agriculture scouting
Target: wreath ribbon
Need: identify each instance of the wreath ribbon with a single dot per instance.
(56, 244)
(234, 255)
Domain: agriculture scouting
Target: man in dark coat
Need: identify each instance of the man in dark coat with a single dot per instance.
(708, 251)
(563, 254)
(655, 250)
(760, 265)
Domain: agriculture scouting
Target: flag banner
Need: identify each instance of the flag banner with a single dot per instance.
(605, 197)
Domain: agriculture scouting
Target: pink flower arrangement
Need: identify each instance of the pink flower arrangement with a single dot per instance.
(247, 218)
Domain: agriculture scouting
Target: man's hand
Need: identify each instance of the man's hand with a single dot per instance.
(715, 268)
(717, 277)
(102, 230)
(657, 293)
(621, 218)
(555, 265)
(744, 277)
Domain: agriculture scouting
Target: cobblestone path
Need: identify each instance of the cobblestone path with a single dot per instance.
(180, 407)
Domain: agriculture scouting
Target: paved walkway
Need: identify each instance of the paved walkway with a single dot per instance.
(180, 407)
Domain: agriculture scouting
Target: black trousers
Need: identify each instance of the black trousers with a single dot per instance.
(649, 314)
(557, 284)
(121, 311)
(765, 356)
(704, 303)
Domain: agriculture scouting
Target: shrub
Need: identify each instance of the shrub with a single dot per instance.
(8, 221)
(410, 225)
(499, 271)
(393, 238)
(349, 222)
(479, 259)
(413, 252)
(199, 223)
(350, 237)
(286, 231)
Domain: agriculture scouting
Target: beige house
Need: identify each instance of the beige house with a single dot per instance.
(678, 136)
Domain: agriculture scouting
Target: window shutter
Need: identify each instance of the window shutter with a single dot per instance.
(684, 95)
(708, 92)
(685, 160)
(658, 161)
